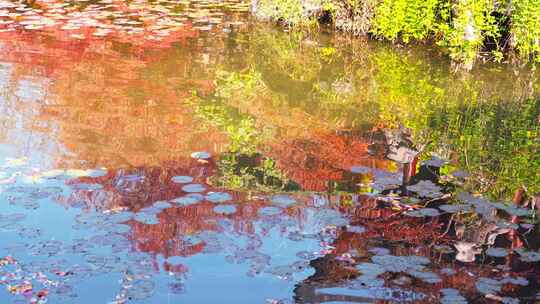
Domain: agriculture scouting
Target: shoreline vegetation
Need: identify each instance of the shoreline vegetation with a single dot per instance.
(466, 30)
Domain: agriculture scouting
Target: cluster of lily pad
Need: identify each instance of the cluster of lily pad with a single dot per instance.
(430, 199)
(137, 21)
(106, 233)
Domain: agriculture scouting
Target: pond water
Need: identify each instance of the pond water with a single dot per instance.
(180, 151)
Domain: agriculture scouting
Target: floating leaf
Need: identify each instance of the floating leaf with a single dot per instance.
(193, 188)
(356, 229)
(400, 263)
(452, 296)
(371, 269)
(360, 169)
(448, 271)
(426, 276)
(186, 200)
(424, 212)
(497, 252)
(426, 188)
(225, 209)
(435, 161)
(530, 256)
(218, 197)
(200, 155)
(146, 218)
(182, 179)
(162, 205)
(455, 208)
(488, 286)
(282, 200)
(269, 211)
(515, 281)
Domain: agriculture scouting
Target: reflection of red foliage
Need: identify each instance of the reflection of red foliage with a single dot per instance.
(89, 24)
(179, 268)
(177, 222)
(407, 236)
(101, 109)
(316, 161)
(30, 49)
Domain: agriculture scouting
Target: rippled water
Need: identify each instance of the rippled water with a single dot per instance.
(233, 161)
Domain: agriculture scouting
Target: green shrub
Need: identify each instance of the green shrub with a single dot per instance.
(466, 26)
(288, 11)
(295, 12)
(526, 28)
(466, 29)
(405, 19)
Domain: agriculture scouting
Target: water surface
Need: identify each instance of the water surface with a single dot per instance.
(211, 158)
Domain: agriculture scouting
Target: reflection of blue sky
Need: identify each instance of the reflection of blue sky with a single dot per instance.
(219, 276)
(20, 103)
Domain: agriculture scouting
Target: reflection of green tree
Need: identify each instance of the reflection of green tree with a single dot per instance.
(499, 139)
(243, 167)
(298, 71)
(491, 132)
(484, 120)
(253, 171)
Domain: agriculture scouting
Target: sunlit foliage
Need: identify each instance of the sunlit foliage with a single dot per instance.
(466, 30)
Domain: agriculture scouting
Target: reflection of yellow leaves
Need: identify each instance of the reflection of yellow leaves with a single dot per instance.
(76, 173)
(32, 179)
(16, 162)
(19, 289)
(53, 173)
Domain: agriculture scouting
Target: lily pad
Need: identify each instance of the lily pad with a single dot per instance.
(385, 183)
(360, 169)
(186, 200)
(201, 155)
(225, 209)
(356, 229)
(401, 263)
(488, 286)
(181, 179)
(269, 211)
(146, 218)
(426, 188)
(162, 205)
(426, 276)
(455, 208)
(371, 269)
(452, 296)
(520, 281)
(366, 281)
(435, 161)
(424, 212)
(283, 200)
(218, 197)
(193, 188)
(529, 256)
(497, 252)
